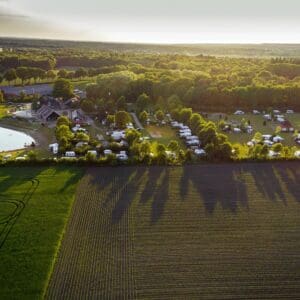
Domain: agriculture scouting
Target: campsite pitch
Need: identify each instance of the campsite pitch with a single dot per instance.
(193, 232)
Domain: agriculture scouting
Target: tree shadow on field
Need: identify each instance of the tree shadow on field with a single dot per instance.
(101, 178)
(184, 183)
(16, 176)
(73, 179)
(223, 184)
(127, 192)
(154, 174)
(267, 181)
(160, 197)
(290, 175)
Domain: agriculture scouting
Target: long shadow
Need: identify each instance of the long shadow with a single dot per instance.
(267, 181)
(127, 193)
(217, 184)
(16, 176)
(76, 176)
(101, 178)
(160, 197)
(154, 174)
(290, 175)
(184, 183)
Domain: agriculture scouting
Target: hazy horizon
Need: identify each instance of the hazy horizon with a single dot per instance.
(155, 22)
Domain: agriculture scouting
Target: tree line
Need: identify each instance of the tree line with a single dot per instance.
(204, 83)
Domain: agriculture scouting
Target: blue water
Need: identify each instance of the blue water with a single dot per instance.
(13, 140)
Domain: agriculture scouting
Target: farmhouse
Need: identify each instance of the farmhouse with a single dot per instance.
(71, 102)
(51, 102)
(47, 114)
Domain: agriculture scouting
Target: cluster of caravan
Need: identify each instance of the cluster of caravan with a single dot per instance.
(191, 141)
(122, 155)
(267, 139)
(257, 112)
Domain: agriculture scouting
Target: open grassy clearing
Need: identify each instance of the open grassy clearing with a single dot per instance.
(162, 134)
(4, 111)
(34, 204)
(195, 232)
(257, 122)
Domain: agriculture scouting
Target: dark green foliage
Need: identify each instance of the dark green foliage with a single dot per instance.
(63, 88)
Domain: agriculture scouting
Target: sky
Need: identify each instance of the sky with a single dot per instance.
(153, 21)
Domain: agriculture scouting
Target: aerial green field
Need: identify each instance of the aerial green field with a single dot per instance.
(34, 207)
(228, 231)
(163, 134)
(3, 111)
(257, 122)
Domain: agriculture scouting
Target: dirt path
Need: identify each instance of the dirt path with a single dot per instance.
(137, 121)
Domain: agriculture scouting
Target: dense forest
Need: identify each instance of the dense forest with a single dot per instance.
(202, 82)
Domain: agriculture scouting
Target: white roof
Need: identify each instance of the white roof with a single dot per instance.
(268, 143)
(237, 129)
(200, 152)
(278, 138)
(239, 112)
(266, 136)
(107, 151)
(53, 145)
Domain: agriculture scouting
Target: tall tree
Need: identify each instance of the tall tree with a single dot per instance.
(10, 75)
(63, 88)
(121, 119)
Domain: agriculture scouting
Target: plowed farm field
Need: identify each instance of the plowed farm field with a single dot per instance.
(194, 232)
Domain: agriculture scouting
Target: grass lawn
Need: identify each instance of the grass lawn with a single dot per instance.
(257, 122)
(227, 231)
(32, 222)
(3, 111)
(162, 134)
